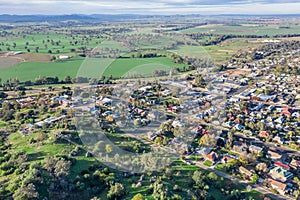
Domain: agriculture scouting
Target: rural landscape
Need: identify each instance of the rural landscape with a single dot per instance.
(150, 107)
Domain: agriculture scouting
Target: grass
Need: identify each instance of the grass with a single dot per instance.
(91, 67)
(221, 167)
(208, 163)
(179, 165)
(36, 40)
(259, 30)
(144, 66)
(32, 70)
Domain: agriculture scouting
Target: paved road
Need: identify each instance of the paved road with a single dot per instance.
(238, 181)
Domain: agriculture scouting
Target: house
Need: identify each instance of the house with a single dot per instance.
(278, 140)
(278, 186)
(295, 164)
(245, 171)
(228, 157)
(264, 134)
(280, 174)
(248, 132)
(204, 151)
(296, 114)
(273, 155)
(212, 156)
(239, 147)
(238, 127)
(63, 57)
(177, 123)
(286, 111)
(280, 120)
(255, 149)
(280, 164)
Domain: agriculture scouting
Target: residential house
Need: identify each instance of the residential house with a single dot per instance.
(228, 157)
(264, 134)
(278, 140)
(255, 149)
(280, 164)
(212, 156)
(286, 111)
(274, 155)
(278, 186)
(295, 164)
(204, 151)
(239, 147)
(280, 174)
(245, 171)
(238, 127)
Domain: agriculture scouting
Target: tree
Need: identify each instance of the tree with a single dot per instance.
(254, 178)
(26, 192)
(108, 148)
(62, 168)
(116, 191)
(198, 177)
(138, 197)
(160, 191)
(3, 95)
(212, 176)
(230, 138)
(68, 79)
(208, 140)
(262, 167)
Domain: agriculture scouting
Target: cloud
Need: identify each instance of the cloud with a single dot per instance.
(150, 6)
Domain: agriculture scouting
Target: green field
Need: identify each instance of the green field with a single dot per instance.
(91, 67)
(260, 30)
(36, 40)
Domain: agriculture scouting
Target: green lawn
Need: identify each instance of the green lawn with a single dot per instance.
(208, 163)
(221, 167)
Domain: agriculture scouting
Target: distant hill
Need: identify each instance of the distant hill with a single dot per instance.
(73, 17)
(94, 18)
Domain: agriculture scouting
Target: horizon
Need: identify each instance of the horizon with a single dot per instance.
(155, 7)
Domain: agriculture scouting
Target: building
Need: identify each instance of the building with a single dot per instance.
(213, 157)
(227, 158)
(280, 174)
(295, 164)
(273, 155)
(255, 149)
(245, 171)
(278, 186)
(280, 164)
(264, 134)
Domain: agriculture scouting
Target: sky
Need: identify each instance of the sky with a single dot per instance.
(56, 7)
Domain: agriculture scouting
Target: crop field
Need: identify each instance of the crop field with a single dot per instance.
(91, 67)
(45, 42)
(141, 66)
(261, 30)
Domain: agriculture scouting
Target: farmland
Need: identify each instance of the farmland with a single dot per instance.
(259, 30)
(91, 67)
(47, 42)
(83, 103)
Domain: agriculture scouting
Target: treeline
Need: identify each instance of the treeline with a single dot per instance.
(180, 28)
(14, 84)
(218, 38)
